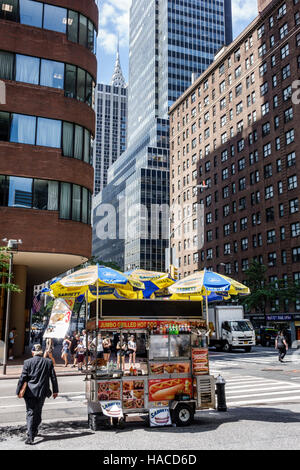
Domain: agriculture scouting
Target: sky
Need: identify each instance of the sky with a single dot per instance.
(114, 24)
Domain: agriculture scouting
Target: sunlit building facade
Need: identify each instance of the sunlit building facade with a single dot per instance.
(169, 42)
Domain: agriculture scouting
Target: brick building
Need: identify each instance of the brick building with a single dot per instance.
(235, 129)
(48, 66)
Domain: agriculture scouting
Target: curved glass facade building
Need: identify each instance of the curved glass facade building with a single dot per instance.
(170, 40)
(48, 70)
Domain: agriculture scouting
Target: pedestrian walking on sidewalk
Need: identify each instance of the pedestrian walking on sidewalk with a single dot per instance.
(49, 350)
(65, 350)
(281, 345)
(36, 374)
(11, 342)
(80, 350)
(74, 342)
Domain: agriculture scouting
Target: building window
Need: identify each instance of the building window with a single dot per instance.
(296, 255)
(71, 200)
(284, 51)
(76, 82)
(290, 136)
(74, 140)
(77, 27)
(294, 205)
(295, 229)
(292, 182)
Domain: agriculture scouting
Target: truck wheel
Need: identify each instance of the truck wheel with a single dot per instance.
(247, 349)
(226, 347)
(183, 415)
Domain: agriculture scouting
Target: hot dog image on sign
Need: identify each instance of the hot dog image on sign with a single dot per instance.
(166, 389)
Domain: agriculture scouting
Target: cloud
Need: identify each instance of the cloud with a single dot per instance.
(113, 23)
(243, 13)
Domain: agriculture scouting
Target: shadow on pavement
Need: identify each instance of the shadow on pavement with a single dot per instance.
(208, 421)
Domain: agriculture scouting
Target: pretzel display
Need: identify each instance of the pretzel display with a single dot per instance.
(166, 389)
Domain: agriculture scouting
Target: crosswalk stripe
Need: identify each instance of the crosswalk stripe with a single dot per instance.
(264, 401)
(260, 385)
(263, 394)
(278, 387)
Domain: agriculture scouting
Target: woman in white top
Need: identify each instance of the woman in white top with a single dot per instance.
(99, 346)
(132, 350)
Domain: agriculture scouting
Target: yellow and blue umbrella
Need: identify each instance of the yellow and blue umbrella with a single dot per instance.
(108, 282)
(209, 285)
(153, 280)
(203, 283)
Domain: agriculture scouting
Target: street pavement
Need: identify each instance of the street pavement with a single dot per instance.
(263, 399)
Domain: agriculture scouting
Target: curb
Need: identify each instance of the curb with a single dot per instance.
(58, 374)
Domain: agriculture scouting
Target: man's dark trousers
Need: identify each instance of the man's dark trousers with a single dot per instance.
(34, 408)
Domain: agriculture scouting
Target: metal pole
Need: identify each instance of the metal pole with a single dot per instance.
(7, 315)
(87, 333)
(207, 322)
(97, 322)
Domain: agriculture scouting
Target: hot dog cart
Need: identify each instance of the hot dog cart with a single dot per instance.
(157, 367)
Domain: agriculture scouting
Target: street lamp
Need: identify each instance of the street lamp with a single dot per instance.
(12, 245)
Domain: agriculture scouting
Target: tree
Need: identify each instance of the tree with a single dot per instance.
(5, 282)
(265, 293)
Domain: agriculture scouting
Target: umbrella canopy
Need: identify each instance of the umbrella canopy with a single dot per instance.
(80, 282)
(153, 280)
(212, 297)
(203, 283)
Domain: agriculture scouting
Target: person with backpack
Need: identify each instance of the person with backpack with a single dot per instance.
(281, 345)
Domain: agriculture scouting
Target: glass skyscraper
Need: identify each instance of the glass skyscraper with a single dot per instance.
(112, 110)
(169, 41)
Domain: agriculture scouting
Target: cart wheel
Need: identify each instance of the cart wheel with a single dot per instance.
(183, 415)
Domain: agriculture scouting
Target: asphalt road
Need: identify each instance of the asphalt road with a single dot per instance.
(263, 398)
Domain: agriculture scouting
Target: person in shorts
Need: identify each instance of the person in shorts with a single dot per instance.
(106, 348)
(65, 350)
(121, 353)
(131, 350)
(80, 351)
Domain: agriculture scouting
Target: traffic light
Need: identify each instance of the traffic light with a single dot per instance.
(173, 272)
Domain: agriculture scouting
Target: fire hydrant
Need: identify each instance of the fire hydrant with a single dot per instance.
(220, 391)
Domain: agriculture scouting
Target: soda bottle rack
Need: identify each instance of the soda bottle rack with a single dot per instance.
(171, 329)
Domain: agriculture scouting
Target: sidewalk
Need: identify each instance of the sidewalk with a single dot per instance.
(14, 366)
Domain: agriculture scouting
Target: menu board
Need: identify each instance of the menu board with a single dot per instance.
(109, 390)
(200, 361)
(161, 390)
(159, 368)
(133, 394)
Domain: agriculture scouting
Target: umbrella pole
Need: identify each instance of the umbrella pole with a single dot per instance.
(87, 333)
(97, 323)
(207, 322)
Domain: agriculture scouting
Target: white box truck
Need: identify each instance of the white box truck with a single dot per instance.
(229, 329)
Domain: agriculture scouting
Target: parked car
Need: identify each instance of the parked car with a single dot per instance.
(265, 336)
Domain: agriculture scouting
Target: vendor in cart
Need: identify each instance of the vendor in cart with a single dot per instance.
(121, 352)
(131, 350)
(98, 342)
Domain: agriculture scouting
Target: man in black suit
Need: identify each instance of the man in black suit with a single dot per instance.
(36, 373)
